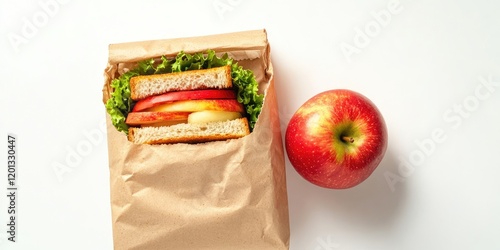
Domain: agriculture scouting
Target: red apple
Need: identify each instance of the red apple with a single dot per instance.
(184, 95)
(336, 139)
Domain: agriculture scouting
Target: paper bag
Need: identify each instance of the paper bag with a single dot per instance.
(216, 195)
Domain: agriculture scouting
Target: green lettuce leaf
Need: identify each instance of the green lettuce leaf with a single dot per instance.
(244, 83)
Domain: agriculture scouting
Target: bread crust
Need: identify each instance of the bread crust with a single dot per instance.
(192, 137)
(140, 86)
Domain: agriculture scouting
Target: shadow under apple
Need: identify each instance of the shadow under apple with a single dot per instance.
(372, 205)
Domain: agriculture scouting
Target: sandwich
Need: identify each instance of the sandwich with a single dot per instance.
(191, 106)
(187, 99)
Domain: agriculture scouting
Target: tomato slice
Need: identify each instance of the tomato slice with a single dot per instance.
(143, 118)
(183, 95)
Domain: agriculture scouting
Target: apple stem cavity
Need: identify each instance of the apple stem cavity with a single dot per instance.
(348, 139)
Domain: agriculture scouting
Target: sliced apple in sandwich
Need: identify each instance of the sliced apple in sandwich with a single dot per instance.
(212, 116)
(231, 105)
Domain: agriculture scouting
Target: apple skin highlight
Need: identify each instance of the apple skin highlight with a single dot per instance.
(336, 139)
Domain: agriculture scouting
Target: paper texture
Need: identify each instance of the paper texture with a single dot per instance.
(217, 195)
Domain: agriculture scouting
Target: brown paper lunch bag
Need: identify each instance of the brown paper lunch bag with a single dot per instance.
(217, 195)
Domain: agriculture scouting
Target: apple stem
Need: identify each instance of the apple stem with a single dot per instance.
(348, 139)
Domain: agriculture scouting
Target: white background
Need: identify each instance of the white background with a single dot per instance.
(430, 66)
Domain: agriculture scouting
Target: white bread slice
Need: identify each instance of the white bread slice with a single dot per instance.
(149, 85)
(190, 133)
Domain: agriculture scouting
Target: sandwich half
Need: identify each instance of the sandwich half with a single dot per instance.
(185, 107)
